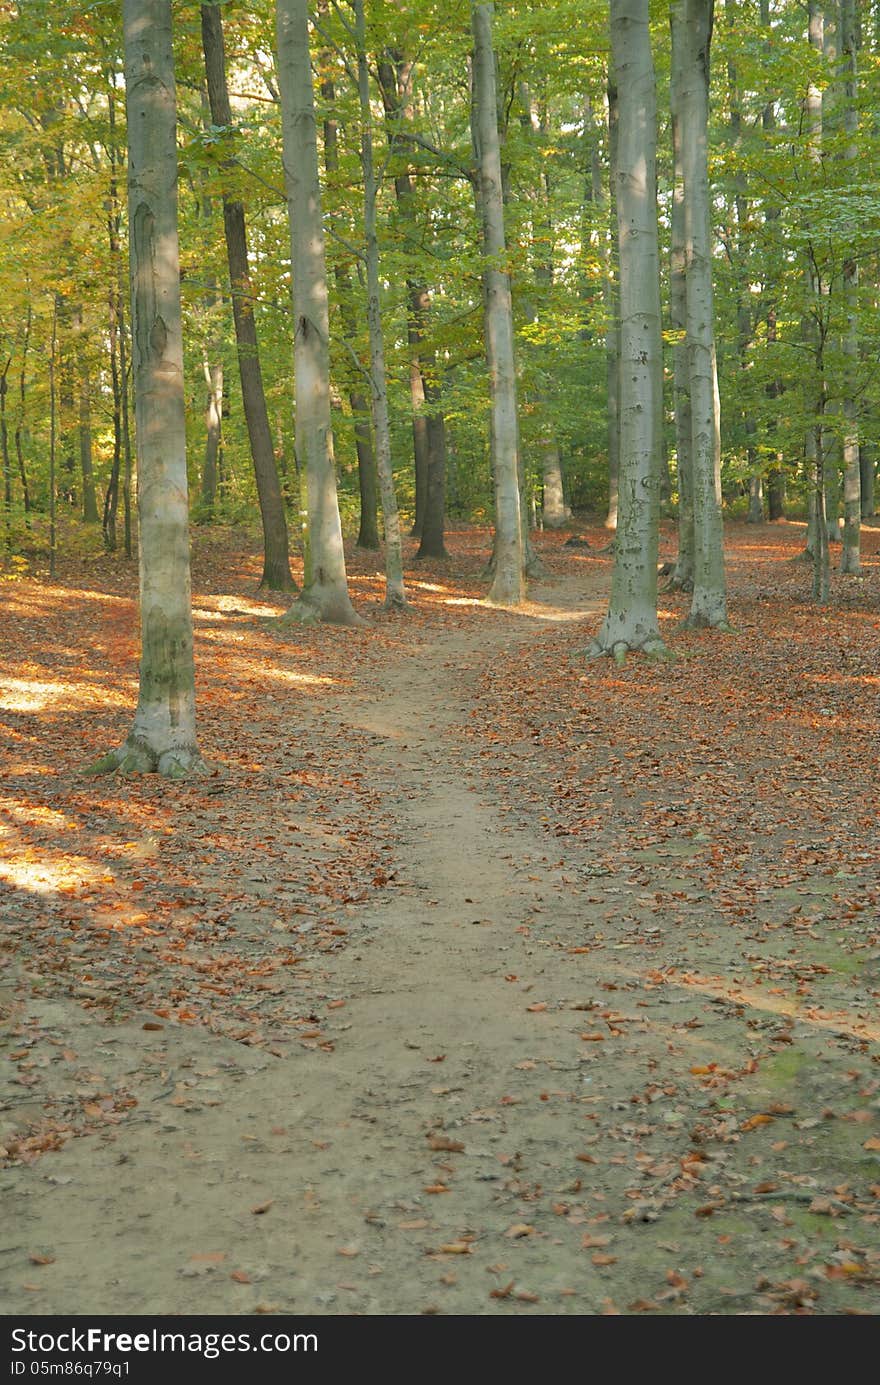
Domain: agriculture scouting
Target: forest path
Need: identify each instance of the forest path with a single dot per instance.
(508, 1119)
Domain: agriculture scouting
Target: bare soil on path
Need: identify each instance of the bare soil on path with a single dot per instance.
(538, 1078)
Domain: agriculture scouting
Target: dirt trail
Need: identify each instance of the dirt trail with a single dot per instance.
(509, 1121)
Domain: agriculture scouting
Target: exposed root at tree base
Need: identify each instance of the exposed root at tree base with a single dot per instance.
(652, 648)
(135, 757)
(699, 622)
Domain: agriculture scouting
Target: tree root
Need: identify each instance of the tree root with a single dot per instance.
(701, 623)
(135, 757)
(652, 648)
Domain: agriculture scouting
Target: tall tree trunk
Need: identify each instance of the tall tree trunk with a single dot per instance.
(395, 595)
(89, 499)
(111, 497)
(20, 421)
(428, 424)
(852, 481)
(611, 301)
(816, 332)
(866, 467)
(163, 736)
(683, 572)
(326, 595)
(276, 550)
(534, 119)
(694, 31)
(631, 621)
(368, 530)
(508, 585)
(4, 453)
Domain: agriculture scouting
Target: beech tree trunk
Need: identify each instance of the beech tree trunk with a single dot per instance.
(631, 620)
(326, 596)
(508, 585)
(852, 480)
(368, 529)
(428, 423)
(276, 545)
(694, 31)
(395, 595)
(611, 299)
(163, 736)
(683, 573)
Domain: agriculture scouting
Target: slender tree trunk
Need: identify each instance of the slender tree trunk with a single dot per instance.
(163, 736)
(53, 433)
(395, 595)
(368, 530)
(89, 498)
(816, 329)
(852, 481)
(276, 555)
(111, 498)
(709, 602)
(631, 621)
(683, 573)
(20, 422)
(508, 585)
(428, 424)
(866, 467)
(326, 597)
(4, 452)
(611, 300)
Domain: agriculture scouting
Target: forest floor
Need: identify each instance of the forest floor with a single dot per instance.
(476, 978)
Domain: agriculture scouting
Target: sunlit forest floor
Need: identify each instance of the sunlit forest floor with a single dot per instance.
(475, 978)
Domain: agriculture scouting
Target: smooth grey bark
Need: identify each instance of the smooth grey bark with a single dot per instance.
(428, 421)
(631, 620)
(611, 302)
(683, 572)
(163, 736)
(693, 30)
(866, 467)
(395, 594)
(325, 597)
(534, 120)
(368, 529)
(817, 326)
(852, 481)
(508, 584)
(276, 574)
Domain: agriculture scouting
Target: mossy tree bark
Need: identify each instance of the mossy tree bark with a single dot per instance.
(163, 736)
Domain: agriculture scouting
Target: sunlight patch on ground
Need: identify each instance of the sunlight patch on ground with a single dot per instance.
(35, 695)
(234, 605)
(44, 877)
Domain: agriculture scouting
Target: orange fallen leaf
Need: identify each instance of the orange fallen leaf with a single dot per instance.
(541, 1005)
(443, 1142)
(42, 1259)
(241, 1277)
(754, 1121)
